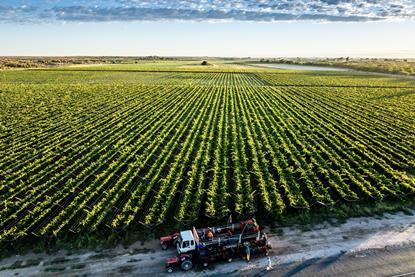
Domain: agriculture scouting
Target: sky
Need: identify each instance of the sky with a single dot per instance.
(232, 28)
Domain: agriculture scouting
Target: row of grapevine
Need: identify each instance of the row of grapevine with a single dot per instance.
(127, 147)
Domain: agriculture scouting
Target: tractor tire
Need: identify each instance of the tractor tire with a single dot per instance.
(170, 270)
(164, 246)
(186, 265)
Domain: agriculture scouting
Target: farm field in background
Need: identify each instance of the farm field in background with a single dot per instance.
(115, 145)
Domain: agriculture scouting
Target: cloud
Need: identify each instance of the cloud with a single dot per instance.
(38, 11)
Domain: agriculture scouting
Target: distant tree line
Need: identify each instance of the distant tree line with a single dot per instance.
(35, 62)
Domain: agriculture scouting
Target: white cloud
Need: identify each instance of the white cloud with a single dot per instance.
(205, 10)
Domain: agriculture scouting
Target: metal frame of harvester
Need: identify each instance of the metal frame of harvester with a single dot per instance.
(228, 242)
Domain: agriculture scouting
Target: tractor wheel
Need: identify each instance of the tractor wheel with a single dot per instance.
(186, 265)
(170, 270)
(229, 260)
(164, 246)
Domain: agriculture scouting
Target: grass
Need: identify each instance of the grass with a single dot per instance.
(101, 256)
(78, 266)
(126, 269)
(59, 261)
(22, 264)
(54, 269)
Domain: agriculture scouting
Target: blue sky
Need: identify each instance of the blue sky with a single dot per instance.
(325, 28)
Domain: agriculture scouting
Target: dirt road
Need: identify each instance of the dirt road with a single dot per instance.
(378, 246)
(391, 261)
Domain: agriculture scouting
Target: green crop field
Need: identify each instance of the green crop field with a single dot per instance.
(109, 147)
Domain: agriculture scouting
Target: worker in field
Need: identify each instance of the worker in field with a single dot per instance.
(251, 225)
(202, 249)
(210, 234)
(202, 234)
(248, 251)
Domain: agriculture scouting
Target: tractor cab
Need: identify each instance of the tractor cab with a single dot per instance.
(186, 242)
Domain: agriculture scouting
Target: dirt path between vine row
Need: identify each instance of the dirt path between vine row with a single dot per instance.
(377, 246)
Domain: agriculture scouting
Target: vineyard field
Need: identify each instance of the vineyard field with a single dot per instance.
(111, 147)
